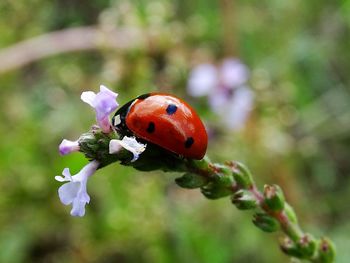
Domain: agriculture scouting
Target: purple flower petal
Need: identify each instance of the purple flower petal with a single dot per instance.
(234, 109)
(104, 104)
(67, 147)
(233, 73)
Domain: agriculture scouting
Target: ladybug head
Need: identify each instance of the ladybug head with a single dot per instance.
(119, 118)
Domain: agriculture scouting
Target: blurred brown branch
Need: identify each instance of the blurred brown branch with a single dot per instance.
(228, 18)
(68, 40)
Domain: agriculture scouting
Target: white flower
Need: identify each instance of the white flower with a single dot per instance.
(128, 143)
(68, 146)
(74, 192)
(104, 104)
(226, 88)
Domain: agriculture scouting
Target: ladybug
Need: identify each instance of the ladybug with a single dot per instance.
(164, 120)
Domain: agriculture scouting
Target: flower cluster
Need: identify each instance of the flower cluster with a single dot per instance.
(227, 90)
(74, 191)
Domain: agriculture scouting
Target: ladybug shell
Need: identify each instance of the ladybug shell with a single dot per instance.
(168, 122)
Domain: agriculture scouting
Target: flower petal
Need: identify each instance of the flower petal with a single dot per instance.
(128, 143)
(60, 178)
(88, 97)
(66, 173)
(114, 146)
(74, 192)
(106, 90)
(68, 146)
(78, 208)
(104, 103)
(68, 192)
(66, 176)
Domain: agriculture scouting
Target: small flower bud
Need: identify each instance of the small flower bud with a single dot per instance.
(200, 164)
(104, 103)
(221, 186)
(68, 146)
(326, 250)
(307, 246)
(244, 200)
(274, 197)
(191, 181)
(289, 247)
(241, 174)
(265, 222)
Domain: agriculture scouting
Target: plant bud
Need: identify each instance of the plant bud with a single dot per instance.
(219, 187)
(241, 174)
(265, 222)
(326, 250)
(289, 247)
(307, 246)
(244, 200)
(191, 181)
(274, 197)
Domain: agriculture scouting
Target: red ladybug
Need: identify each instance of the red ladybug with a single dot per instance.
(166, 121)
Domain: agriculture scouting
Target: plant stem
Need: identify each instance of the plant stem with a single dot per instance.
(215, 181)
(298, 244)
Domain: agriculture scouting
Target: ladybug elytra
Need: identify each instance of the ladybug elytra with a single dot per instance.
(166, 121)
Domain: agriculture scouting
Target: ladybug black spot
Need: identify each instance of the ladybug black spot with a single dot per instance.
(151, 127)
(171, 109)
(189, 141)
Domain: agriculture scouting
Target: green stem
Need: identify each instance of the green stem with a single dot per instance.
(292, 230)
(300, 244)
(220, 180)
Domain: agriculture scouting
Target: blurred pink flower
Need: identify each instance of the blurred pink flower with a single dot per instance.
(226, 88)
(233, 73)
(203, 80)
(234, 108)
(104, 104)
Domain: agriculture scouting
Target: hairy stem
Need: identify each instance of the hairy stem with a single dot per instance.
(215, 180)
(298, 243)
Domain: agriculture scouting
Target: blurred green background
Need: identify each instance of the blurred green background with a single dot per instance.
(297, 135)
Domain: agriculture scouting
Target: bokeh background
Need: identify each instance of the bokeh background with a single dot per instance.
(291, 58)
